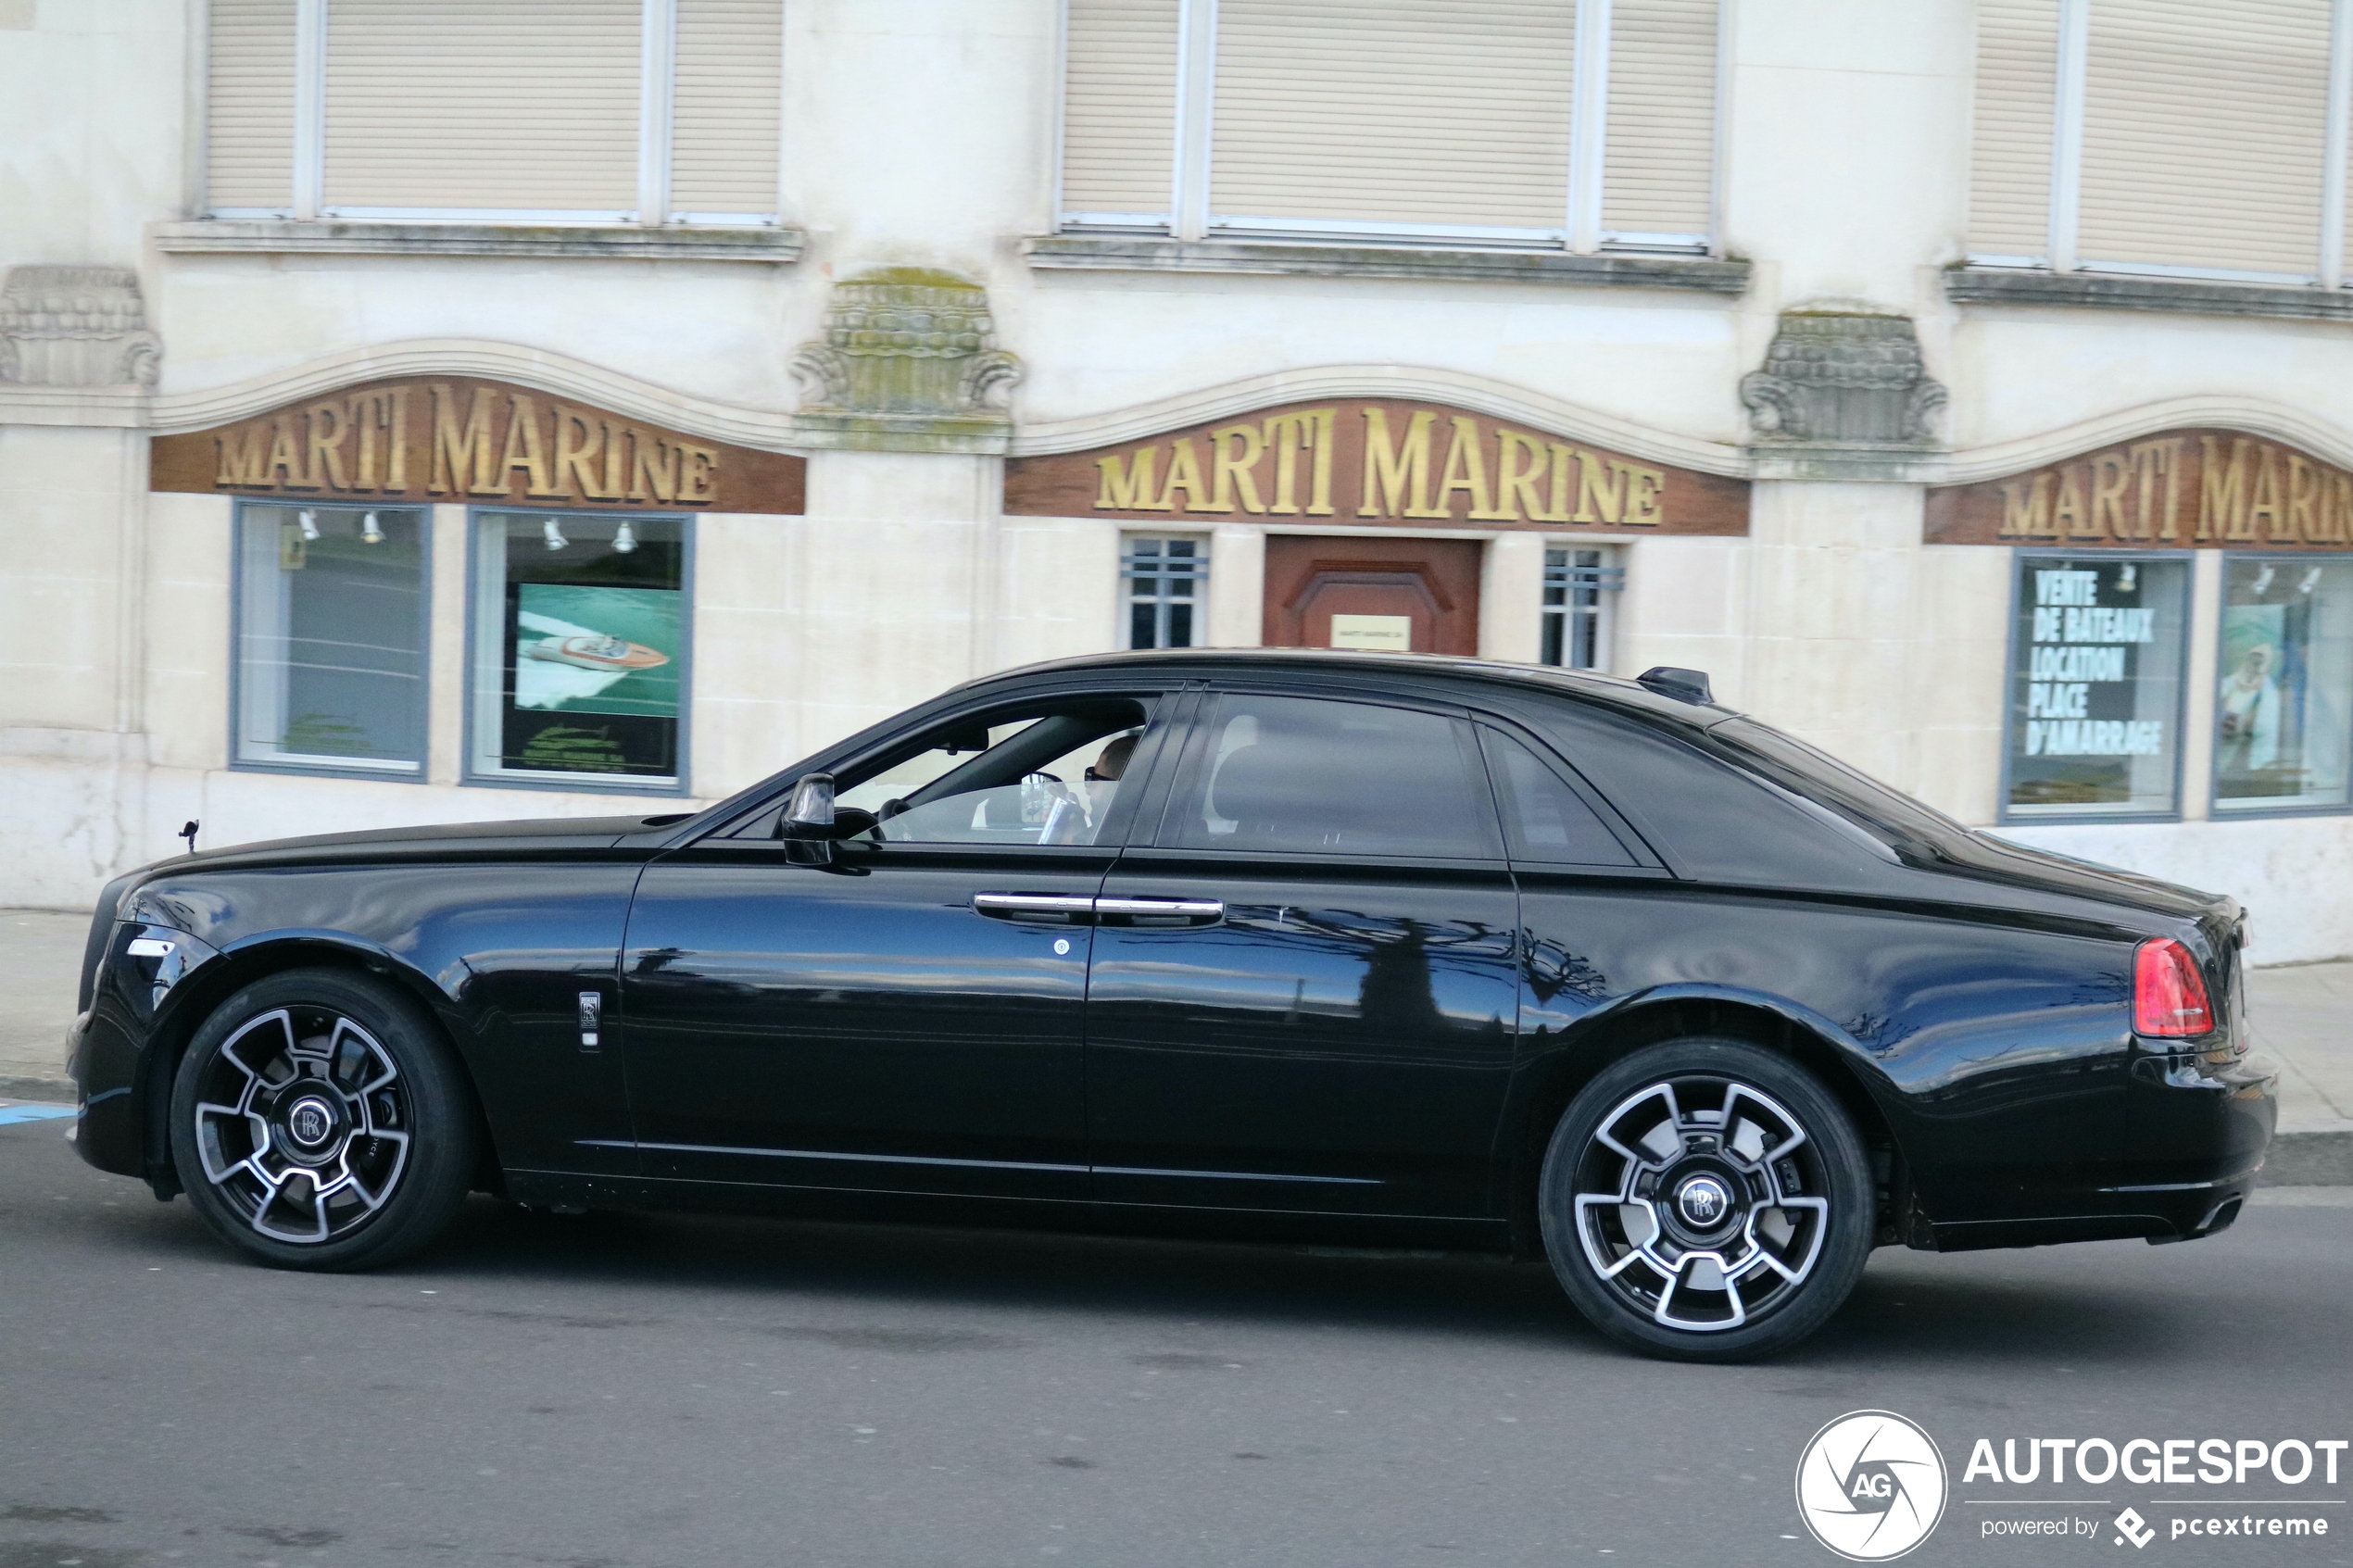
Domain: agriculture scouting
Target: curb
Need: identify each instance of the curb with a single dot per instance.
(50, 1091)
(2310, 1157)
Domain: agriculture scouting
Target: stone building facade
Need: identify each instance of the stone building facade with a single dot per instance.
(416, 412)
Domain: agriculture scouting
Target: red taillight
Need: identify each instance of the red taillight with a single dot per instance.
(2169, 995)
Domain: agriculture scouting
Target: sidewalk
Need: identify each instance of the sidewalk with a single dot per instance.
(2298, 1015)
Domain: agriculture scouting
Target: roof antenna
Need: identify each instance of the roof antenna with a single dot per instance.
(188, 831)
(1684, 685)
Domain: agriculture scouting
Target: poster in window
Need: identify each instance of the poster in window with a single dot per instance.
(2095, 696)
(2284, 685)
(590, 644)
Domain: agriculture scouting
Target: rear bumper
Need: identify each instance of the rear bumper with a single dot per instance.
(2197, 1126)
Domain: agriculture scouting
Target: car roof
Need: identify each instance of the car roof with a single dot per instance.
(1587, 685)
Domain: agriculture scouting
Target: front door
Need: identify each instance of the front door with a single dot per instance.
(907, 1018)
(1392, 596)
(1303, 995)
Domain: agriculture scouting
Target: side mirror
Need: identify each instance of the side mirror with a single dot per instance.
(810, 814)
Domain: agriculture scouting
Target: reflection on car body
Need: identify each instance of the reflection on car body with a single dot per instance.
(1265, 944)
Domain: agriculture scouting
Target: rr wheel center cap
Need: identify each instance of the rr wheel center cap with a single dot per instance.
(310, 1122)
(1702, 1202)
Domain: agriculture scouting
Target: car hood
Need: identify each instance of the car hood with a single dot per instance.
(469, 840)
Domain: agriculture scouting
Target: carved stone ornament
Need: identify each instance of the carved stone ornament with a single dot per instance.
(75, 326)
(1847, 390)
(909, 364)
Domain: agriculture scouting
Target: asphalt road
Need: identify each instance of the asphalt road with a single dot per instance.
(670, 1391)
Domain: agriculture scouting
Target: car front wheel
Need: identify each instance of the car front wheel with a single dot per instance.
(1707, 1199)
(318, 1121)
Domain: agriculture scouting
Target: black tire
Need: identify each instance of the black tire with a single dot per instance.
(1742, 1234)
(318, 1121)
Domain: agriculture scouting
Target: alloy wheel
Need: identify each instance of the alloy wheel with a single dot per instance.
(302, 1124)
(1700, 1202)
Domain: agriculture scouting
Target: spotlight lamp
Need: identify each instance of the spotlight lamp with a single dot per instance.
(308, 521)
(2311, 581)
(370, 530)
(554, 535)
(2263, 579)
(624, 538)
(2129, 578)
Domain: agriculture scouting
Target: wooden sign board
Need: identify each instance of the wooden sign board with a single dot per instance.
(2178, 490)
(1377, 461)
(420, 439)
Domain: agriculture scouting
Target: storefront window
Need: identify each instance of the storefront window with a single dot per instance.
(1164, 578)
(2284, 710)
(330, 638)
(579, 648)
(2095, 686)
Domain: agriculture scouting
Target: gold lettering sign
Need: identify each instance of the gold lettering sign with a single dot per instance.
(1375, 462)
(2180, 490)
(461, 439)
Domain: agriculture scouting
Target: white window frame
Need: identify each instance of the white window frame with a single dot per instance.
(1129, 578)
(2066, 203)
(657, 119)
(1608, 580)
(1581, 233)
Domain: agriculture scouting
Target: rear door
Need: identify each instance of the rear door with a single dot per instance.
(1303, 993)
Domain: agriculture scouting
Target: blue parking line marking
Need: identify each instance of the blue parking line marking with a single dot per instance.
(11, 1114)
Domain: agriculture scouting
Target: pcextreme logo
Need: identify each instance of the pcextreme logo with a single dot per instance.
(1870, 1486)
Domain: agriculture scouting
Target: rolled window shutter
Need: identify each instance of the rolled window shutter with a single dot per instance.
(250, 113)
(1659, 150)
(1392, 112)
(2010, 156)
(729, 107)
(1119, 108)
(487, 105)
(2203, 133)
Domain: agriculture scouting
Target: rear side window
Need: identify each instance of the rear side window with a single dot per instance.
(1288, 774)
(1544, 818)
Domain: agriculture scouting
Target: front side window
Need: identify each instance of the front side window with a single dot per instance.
(1164, 582)
(2283, 707)
(579, 649)
(1009, 780)
(1285, 773)
(2095, 686)
(330, 638)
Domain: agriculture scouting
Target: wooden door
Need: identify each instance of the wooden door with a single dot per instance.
(1403, 595)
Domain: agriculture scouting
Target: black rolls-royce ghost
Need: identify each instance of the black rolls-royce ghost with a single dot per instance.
(1377, 947)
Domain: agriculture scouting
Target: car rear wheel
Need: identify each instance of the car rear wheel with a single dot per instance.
(318, 1121)
(1707, 1199)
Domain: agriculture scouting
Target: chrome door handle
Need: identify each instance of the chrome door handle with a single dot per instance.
(1161, 911)
(1036, 909)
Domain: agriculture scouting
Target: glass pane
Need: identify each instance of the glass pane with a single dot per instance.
(579, 642)
(2095, 690)
(331, 664)
(2283, 711)
(1048, 780)
(1340, 778)
(1547, 820)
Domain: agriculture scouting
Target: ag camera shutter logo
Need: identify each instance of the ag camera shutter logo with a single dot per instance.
(1870, 1486)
